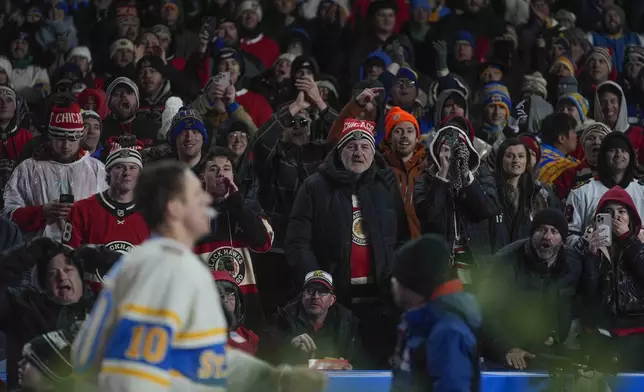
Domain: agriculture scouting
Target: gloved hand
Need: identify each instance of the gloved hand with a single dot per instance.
(440, 55)
(397, 53)
(303, 342)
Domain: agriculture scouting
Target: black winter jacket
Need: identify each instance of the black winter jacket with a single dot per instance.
(337, 338)
(320, 227)
(524, 302)
(473, 206)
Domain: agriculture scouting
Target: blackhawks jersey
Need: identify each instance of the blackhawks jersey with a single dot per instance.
(98, 220)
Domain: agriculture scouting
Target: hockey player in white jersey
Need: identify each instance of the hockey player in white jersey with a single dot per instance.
(158, 324)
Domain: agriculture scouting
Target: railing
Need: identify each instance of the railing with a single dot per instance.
(378, 381)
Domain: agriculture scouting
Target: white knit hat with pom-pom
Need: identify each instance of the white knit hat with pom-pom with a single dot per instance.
(172, 106)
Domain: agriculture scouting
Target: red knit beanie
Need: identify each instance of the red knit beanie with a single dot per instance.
(66, 122)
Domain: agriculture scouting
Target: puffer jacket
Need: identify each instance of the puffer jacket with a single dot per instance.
(406, 175)
(465, 214)
(613, 279)
(320, 227)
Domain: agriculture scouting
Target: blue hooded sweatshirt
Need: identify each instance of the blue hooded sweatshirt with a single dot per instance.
(437, 350)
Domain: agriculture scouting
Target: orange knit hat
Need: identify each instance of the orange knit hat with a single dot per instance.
(395, 116)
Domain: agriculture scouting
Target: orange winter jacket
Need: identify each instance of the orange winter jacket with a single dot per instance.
(406, 174)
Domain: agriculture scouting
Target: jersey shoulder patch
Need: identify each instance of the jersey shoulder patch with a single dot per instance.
(580, 184)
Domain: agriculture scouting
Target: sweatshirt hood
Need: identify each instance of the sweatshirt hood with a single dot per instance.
(452, 131)
(99, 97)
(603, 170)
(622, 124)
(617, 194)
(440, 102)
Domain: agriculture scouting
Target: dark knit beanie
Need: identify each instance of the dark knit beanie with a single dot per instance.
(154, 62)
(51, 353)
(553, 218)
(423, 264)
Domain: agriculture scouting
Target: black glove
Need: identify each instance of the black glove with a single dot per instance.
(440, 55)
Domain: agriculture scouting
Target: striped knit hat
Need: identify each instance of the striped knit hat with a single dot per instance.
(602, 53)
(8, 92)
(635, 54)
(594, 127)
(119, 154)
(567, 61)
(498, 94)
(354, 129)
(535, 84)
(50, 353)
(184, 120)
(579, 101)
(66, 122)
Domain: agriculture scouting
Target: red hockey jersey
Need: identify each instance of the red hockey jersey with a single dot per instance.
(98, 220)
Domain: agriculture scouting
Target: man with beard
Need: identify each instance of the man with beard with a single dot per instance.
(591, 138)
(354, 195)
(155, 87)
(40, 193)
(128, 22)
(526, 293)
(241, 227)
(123, 102)
(110, 218)
(406, 156)
(615, 166)
(28, 79)
(614, 35)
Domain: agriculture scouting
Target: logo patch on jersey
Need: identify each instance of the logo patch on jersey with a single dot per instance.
(570, 210)
(357, 231)
(119, 246)
(230, 260)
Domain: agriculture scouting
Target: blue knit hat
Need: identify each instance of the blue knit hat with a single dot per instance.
(186, 119)
(407, 73)
(464, 36)
(580, 103)
(497, 93)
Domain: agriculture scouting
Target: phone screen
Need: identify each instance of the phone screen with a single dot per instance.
(604, 227)
(66, 198)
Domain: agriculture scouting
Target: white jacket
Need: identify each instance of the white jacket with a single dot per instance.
(582, 205)
(36, 183)
(158, 325)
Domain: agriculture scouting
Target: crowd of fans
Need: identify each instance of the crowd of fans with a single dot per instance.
(329, 134)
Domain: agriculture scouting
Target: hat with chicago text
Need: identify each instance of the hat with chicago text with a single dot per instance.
(355, 129)
(319, 276)
(66, 122)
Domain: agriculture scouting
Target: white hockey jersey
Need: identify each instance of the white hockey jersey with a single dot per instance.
(158, 325)
(35, 183)
(582, 205)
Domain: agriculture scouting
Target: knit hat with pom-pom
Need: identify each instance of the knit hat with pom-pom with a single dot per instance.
(172, 106)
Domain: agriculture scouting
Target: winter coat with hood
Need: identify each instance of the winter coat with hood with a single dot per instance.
(465, 214)
(516, 286)
(406, 175)
(613, 279)
(444, 327)
(282, 167)
(27, 311)
(513, 221)
(13, 140)
(635, 133)
(320, 227)
(99, 98)
(338, 337)
(582, 202)
(239, 337)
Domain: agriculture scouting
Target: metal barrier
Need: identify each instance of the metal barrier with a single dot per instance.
(377, 381)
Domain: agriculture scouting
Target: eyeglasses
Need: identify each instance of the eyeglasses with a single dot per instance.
(298, 123)
(237, 135)
(405, 83)
(321, 292)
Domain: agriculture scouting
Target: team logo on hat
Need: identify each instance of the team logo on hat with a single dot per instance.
(146, 64)
(230, 260)
(396, 117)
(124, 153)
(120, 246)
